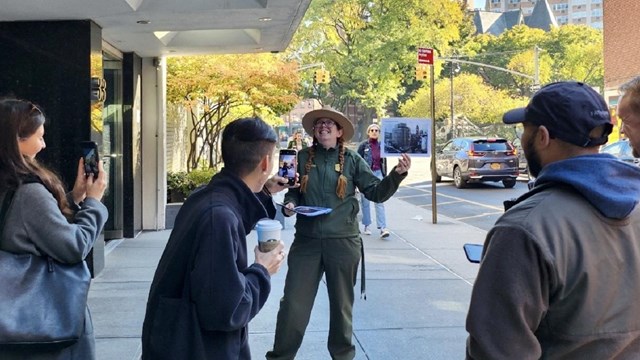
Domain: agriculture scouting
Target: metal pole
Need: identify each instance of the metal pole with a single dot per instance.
(536, 64)
(434, 207)
(453, 127)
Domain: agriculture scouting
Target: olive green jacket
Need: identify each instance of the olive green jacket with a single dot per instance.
(321, 191)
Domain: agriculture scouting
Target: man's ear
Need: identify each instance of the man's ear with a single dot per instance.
(543, 138)
(264, 163)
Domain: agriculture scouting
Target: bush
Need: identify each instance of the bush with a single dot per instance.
(181, 184)
(200, 177)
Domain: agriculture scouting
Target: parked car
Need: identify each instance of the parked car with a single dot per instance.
(622, 150)
(476, 160)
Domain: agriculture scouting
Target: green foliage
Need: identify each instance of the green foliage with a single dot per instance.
(472, 98)
(569, 52)
(185, 182)
(179, 182)
(215, 89)
(370, 47)
(200, 177)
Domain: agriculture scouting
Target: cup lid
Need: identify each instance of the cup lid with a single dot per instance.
(268, 224)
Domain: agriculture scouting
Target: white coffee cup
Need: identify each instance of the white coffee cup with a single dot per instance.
(268, 234)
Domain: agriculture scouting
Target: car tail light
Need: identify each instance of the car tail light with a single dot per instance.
(512, 151)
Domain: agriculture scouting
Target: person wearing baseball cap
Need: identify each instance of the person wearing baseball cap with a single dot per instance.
(329, 244)
(558, 277)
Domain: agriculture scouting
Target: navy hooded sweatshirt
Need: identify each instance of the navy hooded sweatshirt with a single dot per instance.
(209, 241)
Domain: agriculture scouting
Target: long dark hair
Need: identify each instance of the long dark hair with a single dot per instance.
(20, 119)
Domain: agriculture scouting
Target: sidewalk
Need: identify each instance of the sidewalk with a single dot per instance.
(418, 289)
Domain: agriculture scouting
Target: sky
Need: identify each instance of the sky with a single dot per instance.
(478, 4)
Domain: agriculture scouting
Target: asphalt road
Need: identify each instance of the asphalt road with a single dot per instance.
(479, 204)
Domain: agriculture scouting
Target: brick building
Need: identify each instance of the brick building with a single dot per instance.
(621, 45)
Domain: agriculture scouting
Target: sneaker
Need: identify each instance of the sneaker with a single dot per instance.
(367, 231)
(384, 233)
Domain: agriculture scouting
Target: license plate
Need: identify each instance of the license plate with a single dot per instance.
(495, 166)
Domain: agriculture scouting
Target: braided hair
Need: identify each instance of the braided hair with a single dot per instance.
(341, 188)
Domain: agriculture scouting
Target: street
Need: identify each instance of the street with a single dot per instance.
(478, 204)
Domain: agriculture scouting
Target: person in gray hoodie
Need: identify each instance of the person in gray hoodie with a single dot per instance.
(559, 271)
(42, 219)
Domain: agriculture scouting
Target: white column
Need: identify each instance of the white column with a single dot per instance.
(154, 174)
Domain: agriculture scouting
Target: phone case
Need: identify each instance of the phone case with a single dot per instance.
(287, 164)
(91, 157)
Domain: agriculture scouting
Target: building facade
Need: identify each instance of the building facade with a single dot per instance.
(580, 12)
(98, 71)
(621, 46)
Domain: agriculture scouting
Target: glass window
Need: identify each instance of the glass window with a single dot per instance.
(483, 145)
(448, 146)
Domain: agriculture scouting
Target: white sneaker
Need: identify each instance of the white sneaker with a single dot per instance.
(384, 233)
(366, 230)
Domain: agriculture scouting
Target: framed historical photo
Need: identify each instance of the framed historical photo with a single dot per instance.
(405, 135)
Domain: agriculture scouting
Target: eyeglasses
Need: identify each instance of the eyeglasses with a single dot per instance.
(374, 130)
(325, 123)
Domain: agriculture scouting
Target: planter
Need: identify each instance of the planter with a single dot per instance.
(176, 196)
(170, 213)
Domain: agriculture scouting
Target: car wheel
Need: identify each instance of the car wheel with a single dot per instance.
(509, 183)
(457, 178)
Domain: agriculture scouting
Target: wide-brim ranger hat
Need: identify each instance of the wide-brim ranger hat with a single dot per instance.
(310, 118)
(569, 110)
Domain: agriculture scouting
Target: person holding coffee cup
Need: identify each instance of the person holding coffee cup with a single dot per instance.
(204, 265)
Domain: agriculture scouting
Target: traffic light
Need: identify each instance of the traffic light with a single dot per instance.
(321, 76)
(421, 72)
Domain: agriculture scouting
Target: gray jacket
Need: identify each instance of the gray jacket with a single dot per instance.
(35, 225)
(558, 280)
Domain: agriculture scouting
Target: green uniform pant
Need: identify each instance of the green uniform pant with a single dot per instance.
(308, 259)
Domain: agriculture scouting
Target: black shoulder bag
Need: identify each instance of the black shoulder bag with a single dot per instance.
(42, 301)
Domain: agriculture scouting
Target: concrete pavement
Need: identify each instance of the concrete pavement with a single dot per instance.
(418, 290)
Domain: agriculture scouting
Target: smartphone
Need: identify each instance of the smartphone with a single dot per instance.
(288, 165)
(473, 252)
(90, 156)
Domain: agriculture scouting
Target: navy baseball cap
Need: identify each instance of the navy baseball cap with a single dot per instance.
(569, 110)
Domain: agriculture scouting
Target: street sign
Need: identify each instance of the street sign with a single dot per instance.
(425, 56)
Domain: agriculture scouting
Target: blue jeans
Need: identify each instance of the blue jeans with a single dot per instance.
(366, 208)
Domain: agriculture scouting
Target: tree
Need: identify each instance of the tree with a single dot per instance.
(370, 47)
(569, 52)
(577, 53)
(473, 99)
(217, 89)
